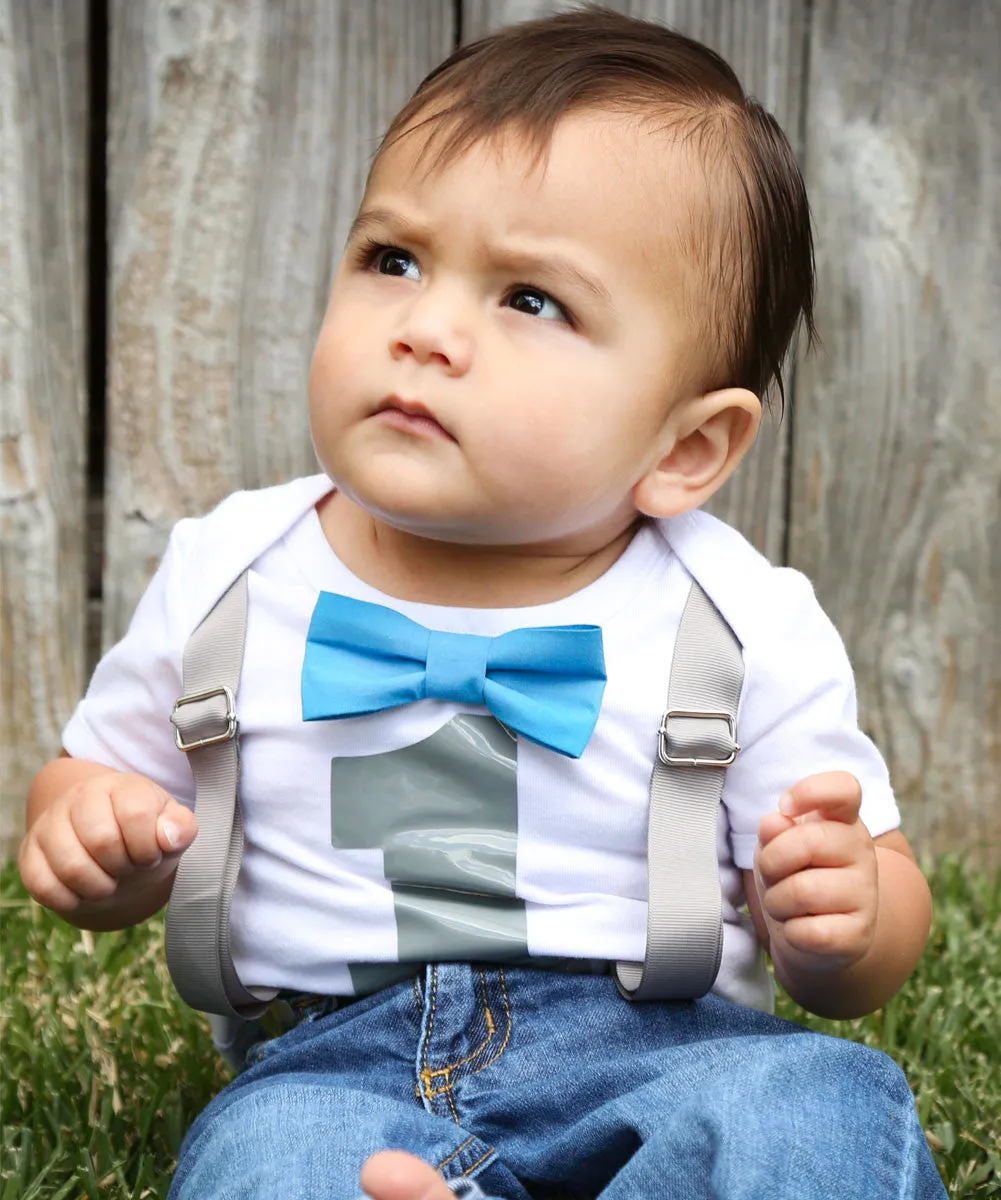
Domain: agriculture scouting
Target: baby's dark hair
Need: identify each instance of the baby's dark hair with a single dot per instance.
(754, 250)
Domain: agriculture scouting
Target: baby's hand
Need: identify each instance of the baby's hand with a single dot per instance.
(103, 833)
(815, 869)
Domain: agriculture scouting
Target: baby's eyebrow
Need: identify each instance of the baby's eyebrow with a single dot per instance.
(543, 262)
(554, 265)
(402, 226)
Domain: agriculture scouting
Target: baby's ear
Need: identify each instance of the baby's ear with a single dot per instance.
(704, 440)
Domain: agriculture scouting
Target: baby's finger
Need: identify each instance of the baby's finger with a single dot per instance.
(834, 795)
(812, 893)
(771, 825)
(138, 803)
(41, 882)
(93, 821)
(396, 1175)
(811, 844)
(70, 862)
(830, 935)
(175, 828)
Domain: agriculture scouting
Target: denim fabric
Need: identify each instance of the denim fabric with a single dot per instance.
(542, 1083)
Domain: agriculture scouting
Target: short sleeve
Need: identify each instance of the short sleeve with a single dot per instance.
(123, 720)
(798, 715)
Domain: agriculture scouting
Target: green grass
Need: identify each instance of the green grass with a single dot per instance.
(103, 1068)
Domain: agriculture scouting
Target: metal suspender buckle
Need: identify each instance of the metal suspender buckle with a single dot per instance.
(211, 739)
(680, 760)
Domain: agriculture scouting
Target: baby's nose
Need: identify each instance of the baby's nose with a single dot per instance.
(434, 333)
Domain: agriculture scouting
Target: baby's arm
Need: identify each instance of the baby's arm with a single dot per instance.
(102, 846)
(845, 917)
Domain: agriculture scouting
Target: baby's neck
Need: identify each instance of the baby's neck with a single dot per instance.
(431, 572)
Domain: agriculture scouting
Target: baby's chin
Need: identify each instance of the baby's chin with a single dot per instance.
(456, 529)
(433, 517)
(416, 501)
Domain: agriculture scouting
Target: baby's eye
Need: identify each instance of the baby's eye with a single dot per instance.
(537, 304)
(390, 260)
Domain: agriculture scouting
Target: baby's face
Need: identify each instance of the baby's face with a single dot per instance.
(503, 345)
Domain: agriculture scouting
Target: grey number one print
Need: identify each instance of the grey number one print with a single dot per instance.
(445, 815)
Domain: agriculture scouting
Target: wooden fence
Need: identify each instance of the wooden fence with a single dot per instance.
(178, 175)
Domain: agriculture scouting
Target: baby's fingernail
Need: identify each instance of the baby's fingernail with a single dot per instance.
(786, 804)
(171, 833)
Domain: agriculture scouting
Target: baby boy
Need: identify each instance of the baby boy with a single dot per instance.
(580, 259)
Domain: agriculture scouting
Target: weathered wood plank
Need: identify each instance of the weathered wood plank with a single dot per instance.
(897, 482)
(764, 41)
(43, 191)
(240, 135)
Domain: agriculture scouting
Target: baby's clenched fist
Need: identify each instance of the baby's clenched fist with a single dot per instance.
(816, 875)
(105, 832)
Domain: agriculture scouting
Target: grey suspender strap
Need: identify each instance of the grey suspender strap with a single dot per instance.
(697, 742)
(205, 727)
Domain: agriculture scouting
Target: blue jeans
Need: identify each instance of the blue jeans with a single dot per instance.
(530, 1082)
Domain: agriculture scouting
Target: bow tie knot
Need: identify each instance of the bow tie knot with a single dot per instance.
(545, 682)
(456, 667)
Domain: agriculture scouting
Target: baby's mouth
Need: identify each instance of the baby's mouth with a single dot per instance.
(411, 416)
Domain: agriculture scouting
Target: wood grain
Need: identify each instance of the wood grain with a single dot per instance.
(43, 149)
(764, 42)
(240, 136)
(896, 490)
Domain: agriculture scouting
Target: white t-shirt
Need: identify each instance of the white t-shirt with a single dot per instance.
(313, 901)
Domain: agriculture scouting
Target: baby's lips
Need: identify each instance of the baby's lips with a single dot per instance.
(413, 408)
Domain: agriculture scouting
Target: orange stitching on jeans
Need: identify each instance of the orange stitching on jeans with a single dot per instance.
(455, 1153)
(427, 1078)
(507, 1034)
(483, 1159)
(427, 1075)
(446, 1071)
(491, 1029)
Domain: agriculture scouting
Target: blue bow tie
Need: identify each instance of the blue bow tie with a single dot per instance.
(545, 683)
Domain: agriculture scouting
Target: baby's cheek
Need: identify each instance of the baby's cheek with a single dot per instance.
(331, 365)
(321, 376)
